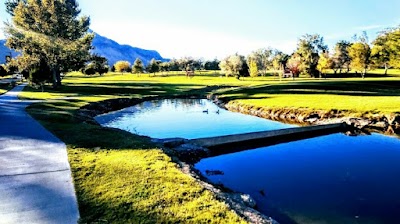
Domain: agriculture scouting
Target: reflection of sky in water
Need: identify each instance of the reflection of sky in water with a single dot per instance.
(184, 118)
(330, 179)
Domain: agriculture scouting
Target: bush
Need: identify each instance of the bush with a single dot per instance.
(40, 74)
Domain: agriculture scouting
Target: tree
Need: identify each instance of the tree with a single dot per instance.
(386, 49)
(153, 66)
(279, 61)
(122, 66)
(341, 58)
(360, 53)
(308, 49)
(253, 68)
(173, 65)
(138, 66)
(263, 58)
(164, 67)
(98, 64)
(40, 74)
(11, 5)
(231, 65)
(294, 64)
(324, 63)
(48, 32)
(212, 65)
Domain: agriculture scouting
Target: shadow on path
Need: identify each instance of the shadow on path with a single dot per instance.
(35, 176)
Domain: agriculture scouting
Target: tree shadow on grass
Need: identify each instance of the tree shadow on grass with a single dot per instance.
(344, 88)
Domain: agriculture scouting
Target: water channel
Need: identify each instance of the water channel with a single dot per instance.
(329, 179)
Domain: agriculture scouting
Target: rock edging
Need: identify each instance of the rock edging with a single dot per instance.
(242, 204)
(385, 123)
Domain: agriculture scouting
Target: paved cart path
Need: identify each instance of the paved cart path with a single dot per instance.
(35, 177)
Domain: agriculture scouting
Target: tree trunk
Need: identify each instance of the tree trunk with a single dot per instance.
(363, 73)
(386, 68)
(58, 76)
(340, 71)
(55, 71)
(54, 76)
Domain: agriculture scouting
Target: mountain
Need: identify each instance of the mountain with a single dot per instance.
(107, 48)
(4, 51)
(114, 51)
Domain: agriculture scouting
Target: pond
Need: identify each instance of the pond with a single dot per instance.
(184, 118)
(331, 179)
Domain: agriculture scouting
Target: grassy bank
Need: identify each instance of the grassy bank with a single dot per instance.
(120, 177)
(355, 96)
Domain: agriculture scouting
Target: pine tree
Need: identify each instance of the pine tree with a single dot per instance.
(49, 31)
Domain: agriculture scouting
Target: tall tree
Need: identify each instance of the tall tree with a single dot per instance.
(263, 58)
(49, 31)
(324, 63)
(386, 49)
(341, 57)
(138, 66)
(253, 68)
(360, 53)
(308, 49)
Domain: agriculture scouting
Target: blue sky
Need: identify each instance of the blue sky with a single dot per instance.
(216, 28)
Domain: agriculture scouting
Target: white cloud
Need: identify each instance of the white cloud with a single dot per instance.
(369, 27)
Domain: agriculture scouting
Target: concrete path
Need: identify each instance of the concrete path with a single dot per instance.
(35, 177)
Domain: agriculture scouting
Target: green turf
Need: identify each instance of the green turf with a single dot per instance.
(121, 177)
(378, 95)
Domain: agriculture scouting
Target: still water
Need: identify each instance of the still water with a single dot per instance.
(185, 118)
(329, 179)
(325, 180)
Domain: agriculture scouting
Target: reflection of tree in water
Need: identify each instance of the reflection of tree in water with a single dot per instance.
(176, 103)
(186, 103)
(171, 103)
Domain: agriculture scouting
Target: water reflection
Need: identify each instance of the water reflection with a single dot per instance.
(330, 179)
(186, 118)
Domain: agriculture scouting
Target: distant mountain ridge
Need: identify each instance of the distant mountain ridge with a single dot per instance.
(114, 51)
(107, 48)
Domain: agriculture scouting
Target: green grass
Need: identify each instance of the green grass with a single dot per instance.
(121, 177)
(377, 95)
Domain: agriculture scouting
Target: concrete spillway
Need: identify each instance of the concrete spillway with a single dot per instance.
(234, 143)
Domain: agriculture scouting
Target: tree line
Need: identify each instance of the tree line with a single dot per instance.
(53, 38)
(312, 56)
(182, 64)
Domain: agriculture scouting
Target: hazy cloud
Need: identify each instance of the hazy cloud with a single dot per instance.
(369, 27)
